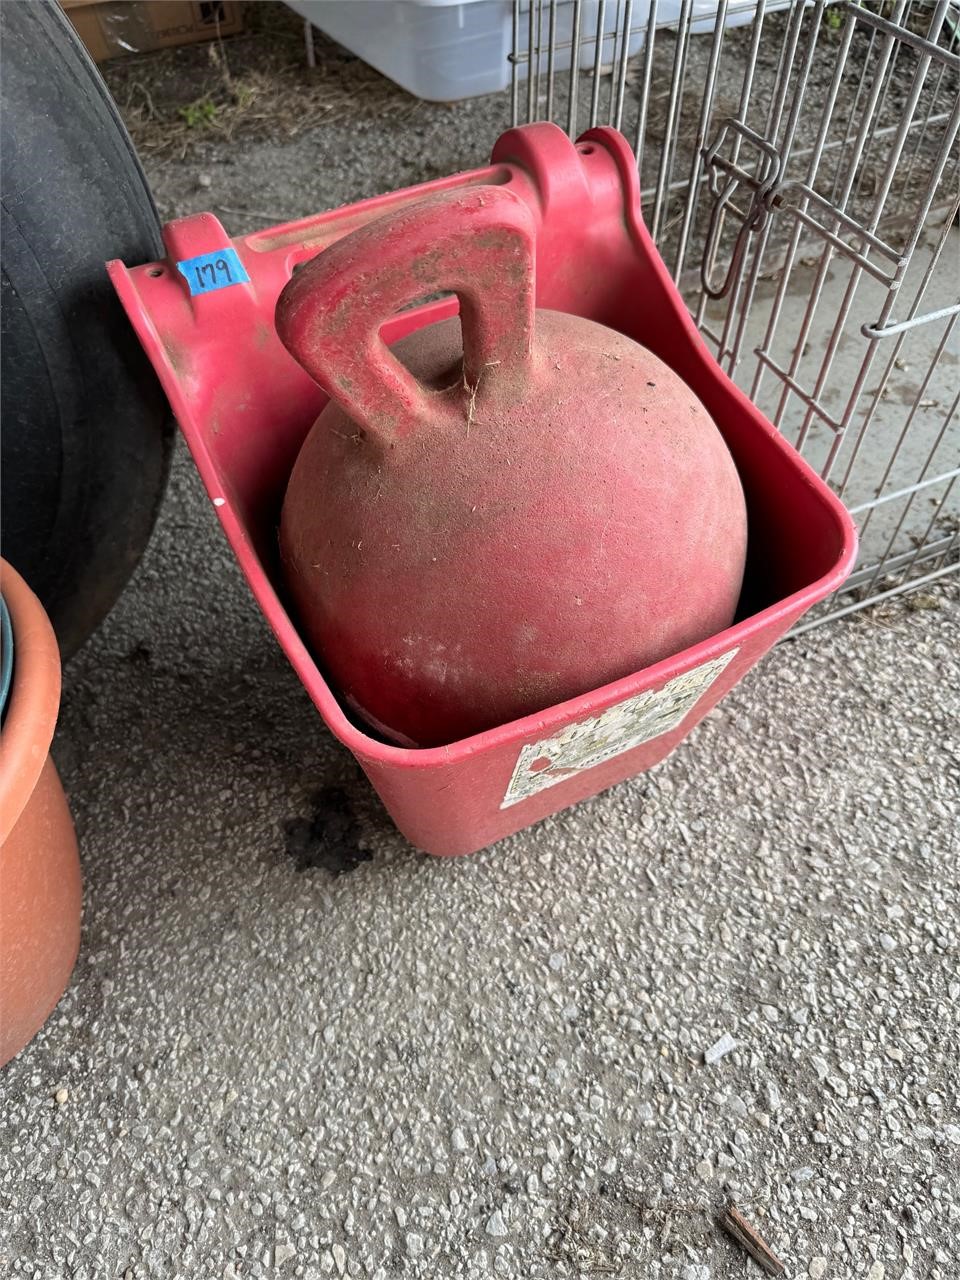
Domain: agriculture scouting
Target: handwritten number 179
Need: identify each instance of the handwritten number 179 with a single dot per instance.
(207, 274)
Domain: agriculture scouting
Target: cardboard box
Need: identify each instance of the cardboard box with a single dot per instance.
(111, 28)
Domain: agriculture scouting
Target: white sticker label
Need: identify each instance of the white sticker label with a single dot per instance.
(618, 729)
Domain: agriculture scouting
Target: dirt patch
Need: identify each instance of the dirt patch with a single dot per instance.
(256, 85)
(330, 838)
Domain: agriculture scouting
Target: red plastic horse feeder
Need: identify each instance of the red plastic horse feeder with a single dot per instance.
(206, 319)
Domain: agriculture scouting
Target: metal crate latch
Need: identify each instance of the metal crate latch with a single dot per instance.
(724, 177)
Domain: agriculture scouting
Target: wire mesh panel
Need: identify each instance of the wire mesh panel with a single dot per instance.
(801, 178)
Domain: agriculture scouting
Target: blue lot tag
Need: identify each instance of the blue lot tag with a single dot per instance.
(212, 271)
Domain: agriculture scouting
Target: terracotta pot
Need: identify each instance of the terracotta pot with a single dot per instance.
(40, 891)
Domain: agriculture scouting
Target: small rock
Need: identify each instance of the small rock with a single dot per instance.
(556, 962)
(952, 1134)
(719, 1049)
(876, 1272)
(887, 942)
(817, 1268)
(496, 1225)
(414, 1244)
(204, 180)
(327, 1181)
(458, 1140)
(61, 1096)
(705, 1169)
(770, 1012)
(283, 1253)
(802, 1175)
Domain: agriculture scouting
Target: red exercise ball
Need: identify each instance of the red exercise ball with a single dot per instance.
(501, 511)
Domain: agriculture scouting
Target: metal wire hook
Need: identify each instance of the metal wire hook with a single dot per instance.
(764, 189)
(753, 222)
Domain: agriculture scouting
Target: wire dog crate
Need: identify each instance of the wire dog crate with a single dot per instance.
(801, 179)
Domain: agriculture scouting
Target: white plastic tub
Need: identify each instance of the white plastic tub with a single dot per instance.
(442, 50)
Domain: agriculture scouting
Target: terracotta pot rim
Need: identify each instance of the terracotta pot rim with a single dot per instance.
(34, 700)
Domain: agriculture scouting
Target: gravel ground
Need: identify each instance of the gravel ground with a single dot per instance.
(295, 1047)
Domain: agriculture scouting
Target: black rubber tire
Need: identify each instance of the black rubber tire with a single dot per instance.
(86, 432)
